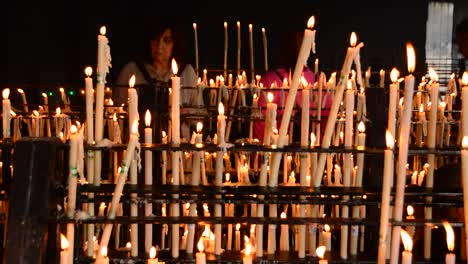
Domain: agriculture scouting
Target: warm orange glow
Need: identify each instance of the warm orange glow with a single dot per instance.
(389, 140)
(353, 39)
(147, 118)
(321, 251)
(102, 30)
(410, 209)
(407, 241)
(411, 57)
(450, 236)
(131, 81)
(135, 127)
(312, 139)
(326, 228)
(465, 79)
(270, 97)
(238, 24)
(361, 127)
(349, 84)
(73, 129)
(64, 244)
(128, 245)
(6, 93)
(163, 134)
(44, 95)
(248, 249)
(88, 71)
(283, 215)
(394, 74)
(225, 24)
(20, 91)
(263, 30)
(174, 67)
(311, 22)
(237, 227)
(152, 252)
(200, 245)
(433, 75)
(228, 177)
(221, 108)
(465, 142)
(421, 108)
(250, 27)
(104, 251)
(199, 127)
(195, 26)
(35, 113)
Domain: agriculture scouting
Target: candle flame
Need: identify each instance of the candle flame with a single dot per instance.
(128, 245)
(58, 111)
(64, 244)
(353, 39)
(20, 91)
(248, 249)
(321, 251)
(312, 139)
(200, 245)
(102, 30)
(88, 71)
(421, 107)
(147, 118)
(263, 30)
(349, 84)
(73, 129)
(228, 177)
(407, 241)
(394, 74)
(361, 127)
(238, 24)
(465, 79)
(35, 113)
(465, 142)
(131, 81)
(195, 26)
(326, 228)
(410, 209)
(174, 67)
(450, 235)
(102, 205)
(389, 139)
(199, 127)
(433, 75)
(135, 127)
(221, 108)
(114, 117)
(163, 134)
(311, 22)
(275, 131)
(152, 252)
(411, 57)
(44, 95)
(250, 27)
(237, 227)
(61, 90)
(104, 251)
(283, 215)
(6, 93)
(270, 97)
(225, 24)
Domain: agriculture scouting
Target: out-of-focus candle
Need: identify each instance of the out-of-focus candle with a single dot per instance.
(6, 111)
(252, 64)
(23, 98)
(410, 217)
(406, 255)
(320, 251)
(64, 253)
(449, 257)
(284, 236)
(238, 48)
(326, 236)
(152, 256)
(265, 49)
(247, 259)
(200, 257)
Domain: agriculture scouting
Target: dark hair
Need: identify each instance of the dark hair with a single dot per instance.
(154, 30)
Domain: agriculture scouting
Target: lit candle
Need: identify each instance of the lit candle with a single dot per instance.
(385, 205)
(226, 41)
(449, 257)
(104, 258)
(284, 236)
(148, 179)
(164, 157)
(382, 78)
(410, 211)
(392, 102)
(252, 64)
(270, 119)
(152, 256)
(304, 161)
(72, 184)
(403, 154)
(238, 48)
(247, 259)
(120, 185)
(196, 46)
(265, 49)
(64, 253)
(6, 110)
(326, 236)
(221, 130)
(102, 207)
(63, 96)
(320, 251)
(237, 237)
(406, 255)
(23, 98)
(200, 257)
(464, 150)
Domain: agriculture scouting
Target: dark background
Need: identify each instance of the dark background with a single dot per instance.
(50, 43)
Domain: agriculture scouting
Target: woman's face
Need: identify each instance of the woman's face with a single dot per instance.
(161, 48)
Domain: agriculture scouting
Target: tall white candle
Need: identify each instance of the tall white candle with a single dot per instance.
(251, 46)
(385, 205)
(284, 235)
(6, 111)
(148, 179)
(326, 236)
(196, 47)
(392, 102)
(403, 142)
(406, 255)
(270, 119)
(221, 130)
(464, 151)
(23, 98)
(449, 257)
(238, 48)
(72, 182)
(226, 41)
(304, 160)
(265, 49)
(382, 78)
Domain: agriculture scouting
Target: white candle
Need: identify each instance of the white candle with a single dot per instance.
(119, 186)
(6, 111)
(247, 259)
(406, 256)
(23, 98)
(72, 183)
(403, 154)
(196, 46)
(252, 64)
(102, 207)
(410, 217)
(392, 102)
(238, 48)
(464, 151)
(326, 236)
(237, 238)
(152, 256)
(320, 251)
(226, 41)
(284, 236)
(265, 49)
(200, 257)
(64, 253)
(270, 119)
(382, 78)
(449, 257)
(148, 179)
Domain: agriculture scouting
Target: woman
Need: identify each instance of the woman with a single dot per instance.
(153, 75)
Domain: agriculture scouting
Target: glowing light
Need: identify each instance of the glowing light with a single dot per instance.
(389, 140)
(88, 71)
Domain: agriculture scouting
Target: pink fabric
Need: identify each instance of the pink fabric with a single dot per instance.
(273, 76)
